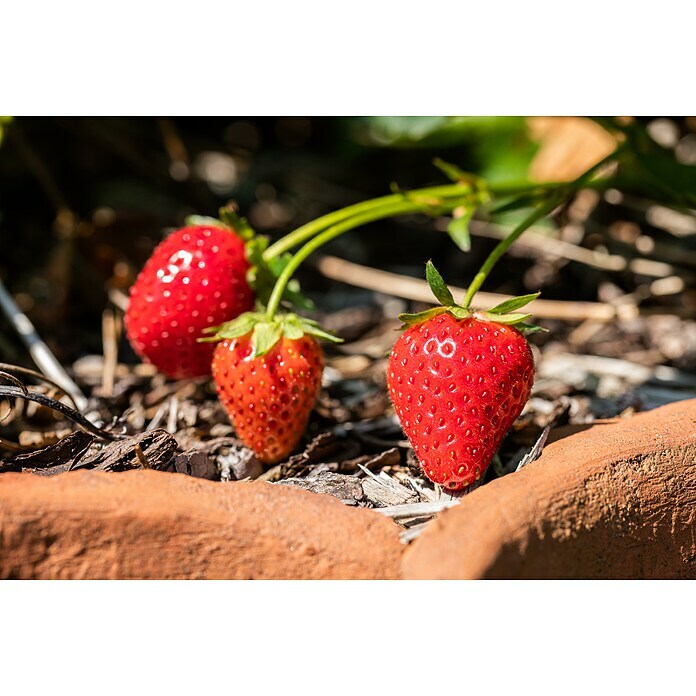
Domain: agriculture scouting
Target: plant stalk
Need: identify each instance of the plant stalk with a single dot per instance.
(446, 191)
(554, 198)
(399, 206)
(435, 199)
(461, 192)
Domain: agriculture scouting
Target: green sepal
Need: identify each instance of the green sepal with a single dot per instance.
(292, 328)
(459, 312)
(513, 304)
(501, 313)
(420, 317)
(229, 220)
(313, 329)
(510, 319)
(438, 285)
(239, 326)
(265, 335)
(458, 229)
(239, 224)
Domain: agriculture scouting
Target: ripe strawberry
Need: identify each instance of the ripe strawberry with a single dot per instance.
(458, 380)
(268, 376)
(195, 278)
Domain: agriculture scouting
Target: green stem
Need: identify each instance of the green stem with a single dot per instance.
(505, 244)
(556, 196)
(384, 203)
(400, 206)
(446, 191)
(435, 199)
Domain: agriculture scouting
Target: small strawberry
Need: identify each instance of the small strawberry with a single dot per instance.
(458, 380)
(195, 278)
(267, 375)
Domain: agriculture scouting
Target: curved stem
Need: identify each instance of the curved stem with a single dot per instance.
(446, 191)
(556, 196)
(505, 244)
(402, 206)
(440, 199)
(301, 234)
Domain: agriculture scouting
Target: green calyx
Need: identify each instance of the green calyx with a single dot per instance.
(263, 273)
(229, 220)
(266, 333)
(503, 313)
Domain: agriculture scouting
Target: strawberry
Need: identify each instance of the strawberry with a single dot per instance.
(195, 278)
(267, 375)
(458, 380)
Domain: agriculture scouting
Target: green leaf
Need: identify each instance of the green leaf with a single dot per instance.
(420, 317)
(431, 131)
(295, 327)
(507, 318)
(325, 335)
(458, 230)
(438, 285)
(513, 303)
(292, 327)
(459, 312)
(265, 336)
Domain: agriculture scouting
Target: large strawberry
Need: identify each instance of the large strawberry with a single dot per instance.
(458, 379)
(195, 278)
(267, 374)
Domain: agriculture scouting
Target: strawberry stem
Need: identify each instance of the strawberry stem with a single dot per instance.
(542, 211)
(462, 192)
(432, 200)
(553, 198)
(398, 205)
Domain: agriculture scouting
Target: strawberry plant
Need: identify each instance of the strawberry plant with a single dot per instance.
(267, 364)
(267, 368)
(212, 271)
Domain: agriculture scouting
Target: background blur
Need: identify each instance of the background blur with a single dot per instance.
(83, 201)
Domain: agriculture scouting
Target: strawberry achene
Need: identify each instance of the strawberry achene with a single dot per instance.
(457, 386)
(269, 398)
(194, 279)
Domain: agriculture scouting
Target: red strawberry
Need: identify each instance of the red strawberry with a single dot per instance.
(195, 278)
(458, 380)
(268, 377)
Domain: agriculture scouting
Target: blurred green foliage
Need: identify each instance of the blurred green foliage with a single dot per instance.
(4, 120)
(501, 146)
